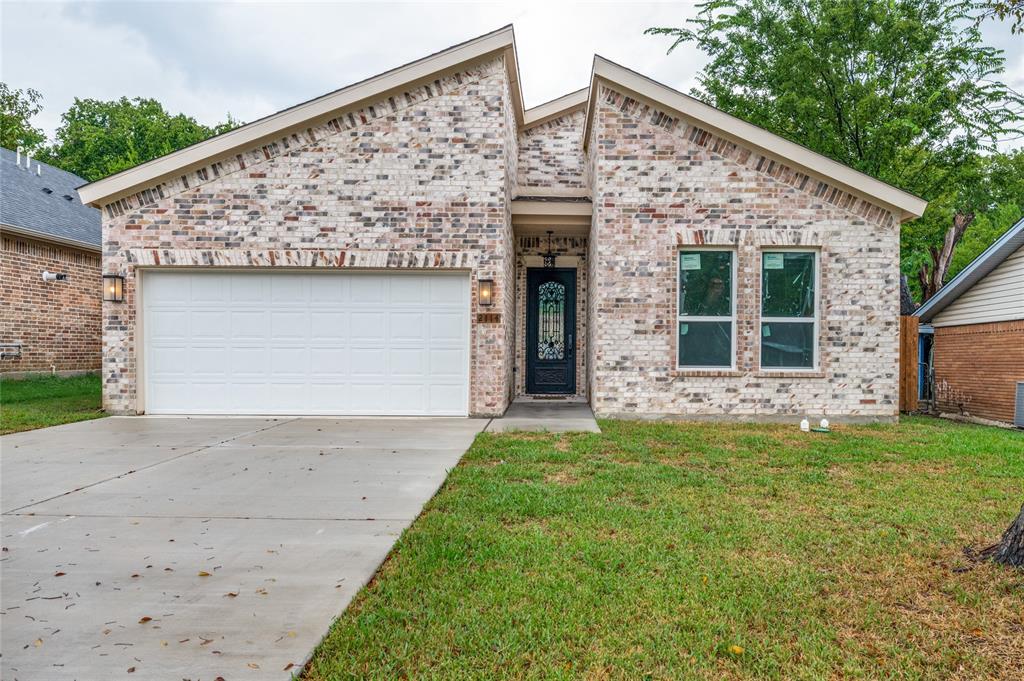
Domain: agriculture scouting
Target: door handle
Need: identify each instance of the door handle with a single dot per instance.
(571, 346)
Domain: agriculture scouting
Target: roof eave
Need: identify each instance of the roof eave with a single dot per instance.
(905, 205)
(50, 238)
(556, 108)
(979, 268)
(303, 115)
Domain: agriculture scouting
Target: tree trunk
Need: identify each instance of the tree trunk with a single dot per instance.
(931, 278)
(1010, 549)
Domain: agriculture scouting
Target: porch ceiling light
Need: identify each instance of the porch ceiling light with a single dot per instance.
(113, 288)
(486, 292)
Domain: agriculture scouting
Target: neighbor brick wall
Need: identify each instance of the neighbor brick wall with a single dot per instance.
(978, 366)
(58, 322)
(418, 180)
(661, 183)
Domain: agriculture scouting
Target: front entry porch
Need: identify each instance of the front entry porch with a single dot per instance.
(546, 414)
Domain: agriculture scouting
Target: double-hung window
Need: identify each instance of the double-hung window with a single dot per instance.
(707, 309)
(789, 310)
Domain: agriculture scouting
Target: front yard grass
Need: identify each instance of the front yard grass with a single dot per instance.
(48, 401)
(659, 551)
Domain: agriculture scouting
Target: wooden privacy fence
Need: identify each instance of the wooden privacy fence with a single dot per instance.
(908, 363)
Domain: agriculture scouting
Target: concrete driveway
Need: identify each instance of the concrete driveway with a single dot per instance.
(178, 548)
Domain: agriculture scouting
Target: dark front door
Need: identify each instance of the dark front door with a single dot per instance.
(550, 331)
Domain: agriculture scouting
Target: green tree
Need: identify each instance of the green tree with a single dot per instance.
(98, 138)
(904, 90)
(17, 107)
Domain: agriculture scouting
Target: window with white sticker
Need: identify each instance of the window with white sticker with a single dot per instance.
(789, 309)
(707, 309)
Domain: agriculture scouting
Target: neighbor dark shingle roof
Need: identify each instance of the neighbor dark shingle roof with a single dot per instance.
(25, 202)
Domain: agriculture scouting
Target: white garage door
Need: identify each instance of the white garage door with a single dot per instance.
(306, 343)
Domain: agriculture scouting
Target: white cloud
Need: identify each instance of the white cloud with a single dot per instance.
(210, 58)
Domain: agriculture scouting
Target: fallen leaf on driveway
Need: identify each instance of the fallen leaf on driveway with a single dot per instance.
(131, 670)
(145, 619)
(38, 642)
(288, 666)
(253, 665)
(59, 574)
(204, 573)
(231, 594)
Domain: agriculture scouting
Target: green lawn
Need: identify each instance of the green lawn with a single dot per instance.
(657, 551)
(48, 401)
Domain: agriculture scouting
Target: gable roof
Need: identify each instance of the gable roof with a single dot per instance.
(749, 135)
(486, 46)
(993, 257)
(322, 108)
(42, 201)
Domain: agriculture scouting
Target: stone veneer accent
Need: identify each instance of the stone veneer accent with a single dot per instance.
(572, 252)
(58, 322)
(419, 180)
(551, 158)
(661, 183)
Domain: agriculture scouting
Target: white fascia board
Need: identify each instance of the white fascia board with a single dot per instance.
(49, 238)
(321, 108)
(717, 121)
(555, 108)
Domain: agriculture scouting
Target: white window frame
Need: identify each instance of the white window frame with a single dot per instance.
(783, 320)
(681, 318)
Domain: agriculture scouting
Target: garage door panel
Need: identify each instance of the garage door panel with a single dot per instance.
(369, 362)
(368, 289)
(306, 343)
(329, 362)
(408, 291)
(214, 289)
(369, 327)
(408, 327)
(288, 325)
(447, 326)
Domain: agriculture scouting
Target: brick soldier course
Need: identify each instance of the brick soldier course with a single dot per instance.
(433, 176)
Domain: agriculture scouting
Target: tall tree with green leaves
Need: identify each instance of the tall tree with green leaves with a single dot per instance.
(17, 107)
(904, 90)
(98, 138)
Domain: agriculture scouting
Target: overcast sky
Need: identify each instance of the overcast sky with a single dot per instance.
(251, 59)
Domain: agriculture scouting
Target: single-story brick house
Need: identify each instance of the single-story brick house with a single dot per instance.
(419, 243)
(47, 324)
(974, 328)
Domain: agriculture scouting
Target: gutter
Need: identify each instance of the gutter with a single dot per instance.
(50, 238)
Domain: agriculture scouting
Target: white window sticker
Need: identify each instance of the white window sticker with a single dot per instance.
(766, 331)
(684, 329)
(689, 261)
(773, 261)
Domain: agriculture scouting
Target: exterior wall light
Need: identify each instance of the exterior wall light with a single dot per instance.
(486, 292)
(113, 288)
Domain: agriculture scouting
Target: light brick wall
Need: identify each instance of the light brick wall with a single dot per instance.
(660, 184)
(977, 366)
(58, 322)
(551, 158)
(418, 180)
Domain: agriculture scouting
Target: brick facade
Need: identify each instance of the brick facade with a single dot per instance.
(661, 184)
(977, 368)
(58, 322)
(426, 180)
(551, 157)
(420, 179)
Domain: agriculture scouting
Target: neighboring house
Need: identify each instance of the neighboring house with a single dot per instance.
(418, 243)
(977, 327)
(47, 324)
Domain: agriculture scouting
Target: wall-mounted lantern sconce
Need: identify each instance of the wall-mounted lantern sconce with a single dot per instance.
(113, 288)
(486, 292)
